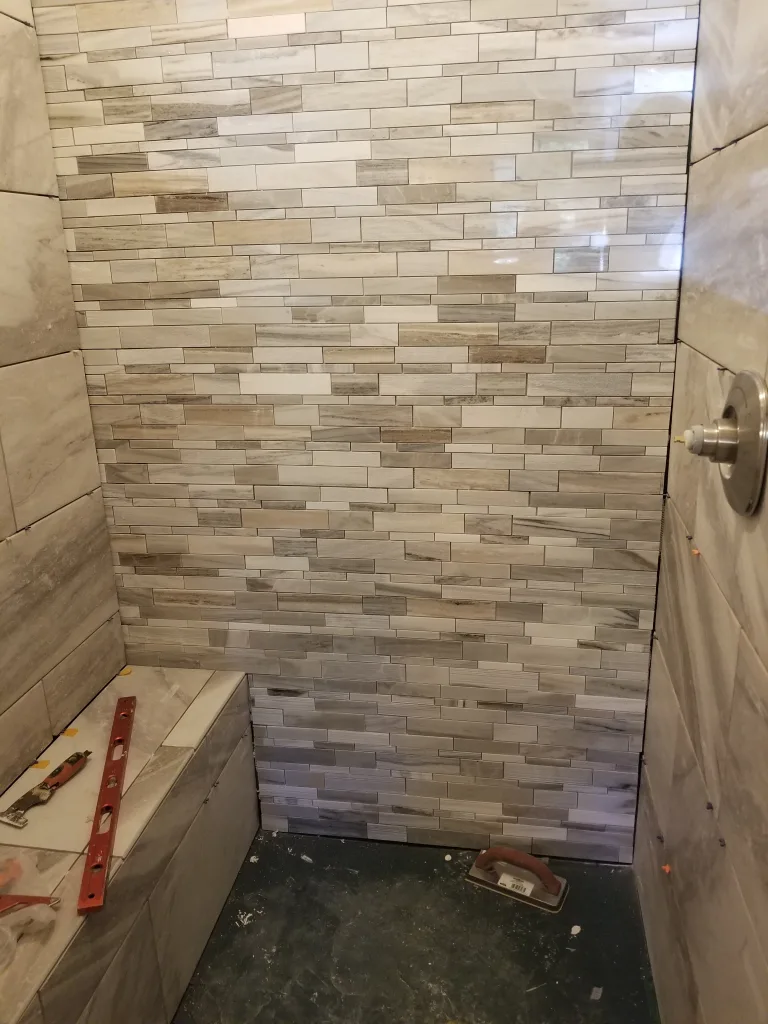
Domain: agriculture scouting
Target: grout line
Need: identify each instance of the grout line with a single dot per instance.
(20, 21)
(36, 195)
(733, 142)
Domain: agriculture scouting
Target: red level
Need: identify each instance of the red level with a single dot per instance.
(93, 888)
(14, 902)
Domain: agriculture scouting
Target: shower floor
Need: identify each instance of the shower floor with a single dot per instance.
(328, 931)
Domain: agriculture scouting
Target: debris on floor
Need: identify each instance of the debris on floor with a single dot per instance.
(344, 933)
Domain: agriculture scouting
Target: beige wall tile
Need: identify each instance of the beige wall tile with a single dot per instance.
(285, 384)
(26, 157)
(36, 312)
(530, 85)
(353, 95)
(574, 42)
(272, 25)
(733, 71)
(109, 14)
(58, 590)
(410, 52)
(19, 9)
(50, 460)
(7, 522)
(25, 731)
(372, 298)
(719, 314)
(282, 60)
(501, 261)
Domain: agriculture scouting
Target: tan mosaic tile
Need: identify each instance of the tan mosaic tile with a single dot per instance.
(376, 303)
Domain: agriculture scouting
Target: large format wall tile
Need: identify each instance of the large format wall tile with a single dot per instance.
(710, 657)
(81, 675)
(33, 1013)
(46, 435)
(702, 841)
(667, 945)
(19, 9)
(25, 730)
(380, 366)
(131, 990)
(36, 312)
(661, 728)
(728, 964)
(7, 522)
(213, 849)
(26, 155)
(744, 805)
(723, 310)
(702, 667)
(732, 74)
(55, 591)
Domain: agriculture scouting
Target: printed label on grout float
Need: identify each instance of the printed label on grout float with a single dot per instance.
(507, 881)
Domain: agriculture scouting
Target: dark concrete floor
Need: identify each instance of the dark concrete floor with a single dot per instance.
(327, 931)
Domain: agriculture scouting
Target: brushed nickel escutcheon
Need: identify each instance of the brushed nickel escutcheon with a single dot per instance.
(737, 442)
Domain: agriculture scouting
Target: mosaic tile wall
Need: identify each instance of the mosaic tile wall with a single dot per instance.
(377, 302)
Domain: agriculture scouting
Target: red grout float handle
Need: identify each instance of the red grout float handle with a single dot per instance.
(507, 855)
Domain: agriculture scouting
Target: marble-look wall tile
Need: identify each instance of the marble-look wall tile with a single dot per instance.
(662, 723)
(33, 1014)
(7, 522)
(166, 788)
(147, 792)
(82, 674)
(729, 966)
(26, 153)
(702, 668)
(36, 311)
(131, 990)
(722, 310)
(21, 10)
(379, 359)
(71, 983)
(43, 873)
(705, 773)
(56, 590)
(667, 942)
(732, 75)
(213, 849)
(24, 731)
(744, 804)
(46, 435)
(225, 693)
(163, 696)
(710, 658)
